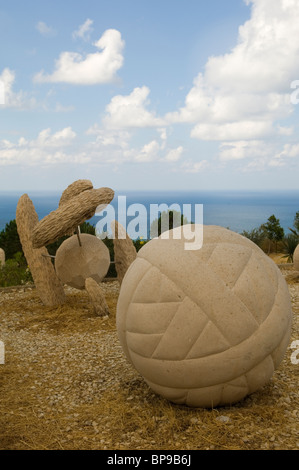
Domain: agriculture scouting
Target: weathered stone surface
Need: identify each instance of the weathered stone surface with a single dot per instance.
(74, 263)
(70, 215)
(97, 297)
(124, 250)
(48, 286)
(207, 327)
(74, 190)
(2, 257)
(296, 258)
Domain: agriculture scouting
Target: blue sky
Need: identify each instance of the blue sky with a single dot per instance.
(149, 95)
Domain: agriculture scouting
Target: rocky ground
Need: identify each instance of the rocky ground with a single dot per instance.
(65, 384)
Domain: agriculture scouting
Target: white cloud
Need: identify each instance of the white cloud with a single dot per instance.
(95, 68)
(60, 139)
(83, 32)
(130, 111)
(46, 149)
(243, 149)
(256, 155)
(13, 99)
(44, 29)
(282, 130)
(241, 95)
(175, 154)
(59, 108)
(289, 151)
(233, 130)
(149, 152)
(109, 138)
(193, 167)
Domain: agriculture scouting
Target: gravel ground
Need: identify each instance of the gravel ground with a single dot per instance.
(65, 384)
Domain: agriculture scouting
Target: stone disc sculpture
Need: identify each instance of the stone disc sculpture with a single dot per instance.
(296, 258)
(74, 263)
(48, 286)
(206, 327)
(2, 257)
(70, 215)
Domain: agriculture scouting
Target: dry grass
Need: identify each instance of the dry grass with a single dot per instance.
(278, 258)
(66, 385)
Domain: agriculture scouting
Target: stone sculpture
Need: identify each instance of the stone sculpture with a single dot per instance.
(296, 258)
(80, 257)
(48, 286)
(2, 257)
(69, 215)
(124, 250)
(97, 297)
(74, 190)
(74, 263)
(206, 327)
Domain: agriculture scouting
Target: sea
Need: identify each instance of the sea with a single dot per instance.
(236, 210)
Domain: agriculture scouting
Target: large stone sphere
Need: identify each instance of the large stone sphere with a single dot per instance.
(296, 258)
(74, 263)
(207, 327)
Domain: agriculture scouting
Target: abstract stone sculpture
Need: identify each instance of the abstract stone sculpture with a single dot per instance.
(2, 257)
(97, 297)
(70, 215)
(48, 286)
(207, 327)
(296, 258)
(74, 190)
(124, 250)
(74, 263)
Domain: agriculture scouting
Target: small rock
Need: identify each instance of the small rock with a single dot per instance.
(194, 420)
(223, 419)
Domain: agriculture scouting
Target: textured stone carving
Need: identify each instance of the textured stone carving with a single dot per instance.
(74, 190)
(70, 215)
(2, 257)
(48, 286)
(97, 297)
(74, 263)
(124, 250)
(296, 258)
(207, 327)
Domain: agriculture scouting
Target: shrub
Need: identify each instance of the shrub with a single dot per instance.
(290, 243)
(15, 272)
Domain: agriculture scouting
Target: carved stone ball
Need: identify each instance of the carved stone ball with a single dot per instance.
(74, 263)
(204, 327)
(296, 258)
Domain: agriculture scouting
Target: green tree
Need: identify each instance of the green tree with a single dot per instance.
(256, 235)
(167, 221)
(9, 240)
(295, 230)
(290, 243)
(274, 231)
